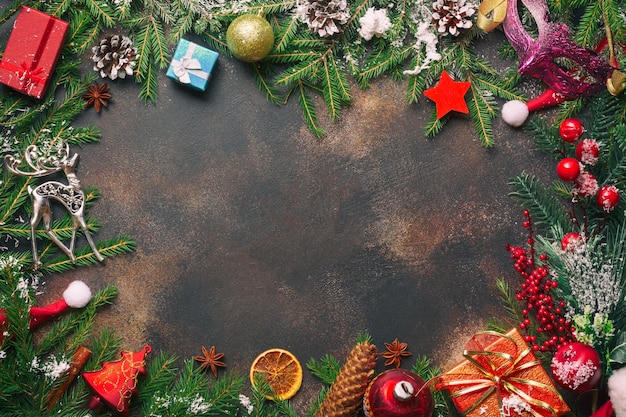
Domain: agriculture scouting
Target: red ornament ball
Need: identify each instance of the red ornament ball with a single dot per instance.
(588, 151)
(571, 130)
(398, 393)
(570, 241)
(576, 367)
(608, 197)
(568, 169)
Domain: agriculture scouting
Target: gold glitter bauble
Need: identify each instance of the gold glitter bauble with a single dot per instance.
(250, 38)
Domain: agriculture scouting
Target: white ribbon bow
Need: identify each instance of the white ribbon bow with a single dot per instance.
(188, 65)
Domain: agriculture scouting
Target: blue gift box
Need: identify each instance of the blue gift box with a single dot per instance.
(192, 65)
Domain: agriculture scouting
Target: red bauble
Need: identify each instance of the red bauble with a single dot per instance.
(576, 367)
(398, 393)
(568, 169)
(588, 151)
(608, 197)
(571, 130)
(570, 241)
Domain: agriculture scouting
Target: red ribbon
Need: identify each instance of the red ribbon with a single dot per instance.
(26, 75)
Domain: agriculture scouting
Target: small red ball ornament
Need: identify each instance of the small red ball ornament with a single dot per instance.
(398, 393)
(608, 197)
(570, 241)
(587, 151)
(568, 169)
(576, 366)
(571, 130)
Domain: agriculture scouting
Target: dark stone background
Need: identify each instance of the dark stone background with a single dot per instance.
(251, 233)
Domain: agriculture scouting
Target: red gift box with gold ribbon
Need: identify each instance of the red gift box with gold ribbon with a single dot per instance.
(32, 51)
(501, 376)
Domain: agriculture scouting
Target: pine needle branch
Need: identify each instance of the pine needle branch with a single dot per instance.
(510, 303)
(326, 369)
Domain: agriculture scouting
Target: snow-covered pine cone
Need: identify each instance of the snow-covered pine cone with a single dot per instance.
(114, 57)
(452, 16)
(326, 17)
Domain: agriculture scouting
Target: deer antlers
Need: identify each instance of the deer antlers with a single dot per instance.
(41, 165)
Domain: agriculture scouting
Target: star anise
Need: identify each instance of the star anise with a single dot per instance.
(97, 95)
(395, 351)
(210, 359)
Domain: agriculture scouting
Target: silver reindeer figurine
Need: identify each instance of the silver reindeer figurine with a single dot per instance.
(71, 196)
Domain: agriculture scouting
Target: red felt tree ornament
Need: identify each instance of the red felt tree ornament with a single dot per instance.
(76, 295)
(448, 95)
(398, 393)
(116, 382)
(576, 366)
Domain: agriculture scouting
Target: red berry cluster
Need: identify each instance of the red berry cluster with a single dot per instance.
(544, 324)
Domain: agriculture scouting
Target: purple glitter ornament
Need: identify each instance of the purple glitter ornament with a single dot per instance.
(537, 57)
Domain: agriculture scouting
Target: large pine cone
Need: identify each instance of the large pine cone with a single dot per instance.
(326, 17)
(345, 397)
(114, 57)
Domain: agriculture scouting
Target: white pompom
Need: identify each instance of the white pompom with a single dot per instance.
(617, 391)
(515, 113)
(77, 294)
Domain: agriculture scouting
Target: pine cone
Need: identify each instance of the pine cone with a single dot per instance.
(452, 15)
(326, 17)
(345, 397)
(114, 57)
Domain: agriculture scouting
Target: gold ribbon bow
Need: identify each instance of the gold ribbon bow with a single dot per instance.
(496, 372)
(490, 14)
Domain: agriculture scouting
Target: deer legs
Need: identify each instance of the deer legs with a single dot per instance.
(42, 211)
(80, 221)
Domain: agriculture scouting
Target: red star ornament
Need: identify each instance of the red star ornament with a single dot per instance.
(448, 95)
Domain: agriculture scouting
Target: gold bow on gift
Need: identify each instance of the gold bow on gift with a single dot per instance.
(490, 14)
(500, 372)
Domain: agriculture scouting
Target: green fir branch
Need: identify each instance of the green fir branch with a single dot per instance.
(435, 125)
(102, 11)
(482, 110)
(271, 92)
(83, 31)
(545, 208)
(308, 109)
(285, 33)
(588, 25)
(326, 369)
(510, 303)
(545, 137)
(183, 24)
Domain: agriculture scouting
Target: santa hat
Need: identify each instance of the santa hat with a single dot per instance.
(516, 112)
(617, 391)
(76, 295)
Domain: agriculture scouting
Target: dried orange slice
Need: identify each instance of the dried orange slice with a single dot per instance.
(282, 371)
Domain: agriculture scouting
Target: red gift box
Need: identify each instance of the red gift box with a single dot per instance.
(32, 51)
(501, 376)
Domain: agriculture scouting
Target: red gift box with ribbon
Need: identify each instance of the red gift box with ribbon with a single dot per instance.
(32, 51)
(501, 376)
